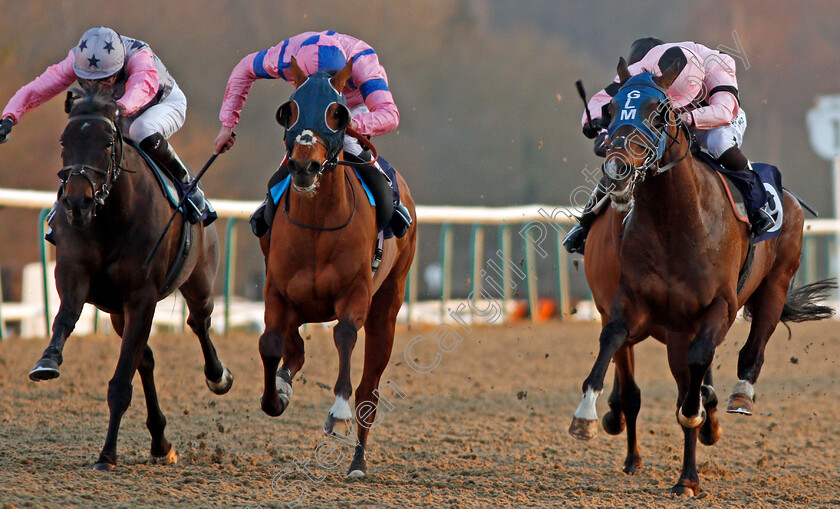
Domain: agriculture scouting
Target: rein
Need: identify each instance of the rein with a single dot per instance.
(111, 173)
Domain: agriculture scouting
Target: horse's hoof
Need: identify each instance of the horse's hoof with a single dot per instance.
(223, 385)
(692, 422)
(684, 490)
(104, 467)
(45, 369)
(329, 425)
(358, 467)
(169, 459)
(710, 433)
(583, 429)
(274, 410)
(632, 464)
(740, 404)
(613, 425)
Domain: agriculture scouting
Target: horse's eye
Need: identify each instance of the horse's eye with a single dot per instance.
(110, 143)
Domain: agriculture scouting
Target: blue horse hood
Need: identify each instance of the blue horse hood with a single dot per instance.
(313, 99)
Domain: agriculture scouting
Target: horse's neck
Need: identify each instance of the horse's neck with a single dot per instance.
(676, 196)
(331, 203)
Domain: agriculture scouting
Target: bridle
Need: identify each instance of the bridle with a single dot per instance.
(85, 170)
(329, 167)
(653, 152)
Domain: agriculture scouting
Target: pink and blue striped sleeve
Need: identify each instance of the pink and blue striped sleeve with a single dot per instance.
(372, 82)
(261, 65)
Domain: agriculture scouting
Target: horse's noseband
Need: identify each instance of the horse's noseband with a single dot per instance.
(84, 170)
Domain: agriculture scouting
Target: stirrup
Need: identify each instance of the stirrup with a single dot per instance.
(762, 222)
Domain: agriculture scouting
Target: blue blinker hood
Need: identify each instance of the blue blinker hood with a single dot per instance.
(630, 100)
(313, 99)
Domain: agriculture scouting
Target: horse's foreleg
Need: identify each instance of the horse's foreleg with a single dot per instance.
(585, 420)
(138, 323)
(72, 289)
(198, 292)
(766, 304)
(271, 352)
(631, 400)
(161, 449)
(613, 421)
(677, 347)
(344, 335)
(699, 356)
(379, 342)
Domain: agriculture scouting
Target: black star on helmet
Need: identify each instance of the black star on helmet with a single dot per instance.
(109, 47)
(93, 61)
(83, 45)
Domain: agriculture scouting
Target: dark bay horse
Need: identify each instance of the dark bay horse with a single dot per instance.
(318, 261)
(109, 216)
(680, 258)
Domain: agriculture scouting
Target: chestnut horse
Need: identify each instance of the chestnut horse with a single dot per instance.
(680, 258)
(318, 260)
(109, 216)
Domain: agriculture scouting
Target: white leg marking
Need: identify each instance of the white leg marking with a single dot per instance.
(282, 387)
(586, 409)
(341, 410)
(744, 387)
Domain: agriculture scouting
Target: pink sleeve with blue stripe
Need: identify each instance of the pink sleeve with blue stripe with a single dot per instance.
(371, 86)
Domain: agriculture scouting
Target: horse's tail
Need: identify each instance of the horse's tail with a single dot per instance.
(802, 304)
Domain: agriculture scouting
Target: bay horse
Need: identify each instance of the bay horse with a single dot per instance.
(680, 258)
(109, 215)
(319, 256)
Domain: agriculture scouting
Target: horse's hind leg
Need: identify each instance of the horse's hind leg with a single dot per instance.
(711, 430)
(766, 304)
(199, 296)
(161, 449)
(138, 323)
(72, 288)
(613, 421)
(630, 398)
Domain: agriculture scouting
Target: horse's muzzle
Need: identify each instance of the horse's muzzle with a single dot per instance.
(305, 174)
(79, 211)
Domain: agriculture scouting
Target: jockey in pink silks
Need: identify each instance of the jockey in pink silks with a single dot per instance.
(151, 105)
(371, 104)
(706, 95)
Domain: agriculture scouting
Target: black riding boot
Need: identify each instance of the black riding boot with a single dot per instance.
(575, 240)
(160, 149)
(760, 219)
(381, 178)
(262, 218)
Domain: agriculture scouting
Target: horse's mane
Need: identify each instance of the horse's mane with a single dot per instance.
(91, 100)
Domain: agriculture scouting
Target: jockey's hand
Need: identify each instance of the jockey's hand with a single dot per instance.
(601, 143)
(591, 130)
(5, 129)
(225, 140)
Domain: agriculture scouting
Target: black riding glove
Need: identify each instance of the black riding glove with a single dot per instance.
(591, 129)
(5, 129)
(601, 147)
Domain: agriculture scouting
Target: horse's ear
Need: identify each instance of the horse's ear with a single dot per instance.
(297, 73)
(340, 79)
(285, 113)
(623, 72)
(668, 76)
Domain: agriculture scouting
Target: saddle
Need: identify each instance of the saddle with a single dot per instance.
(173, 194)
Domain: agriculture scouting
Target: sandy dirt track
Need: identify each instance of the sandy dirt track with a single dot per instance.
(486, 428)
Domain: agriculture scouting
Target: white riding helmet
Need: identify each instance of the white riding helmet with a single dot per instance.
(100, 54)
